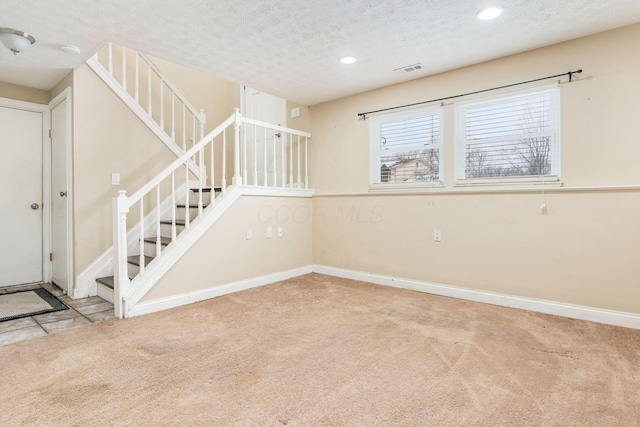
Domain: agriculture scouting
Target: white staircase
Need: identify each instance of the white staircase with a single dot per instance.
(156, 242)
(174, 209)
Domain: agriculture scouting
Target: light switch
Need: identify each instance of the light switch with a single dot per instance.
(115, 179)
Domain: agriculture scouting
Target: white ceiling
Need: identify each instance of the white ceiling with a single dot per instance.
(291, 48)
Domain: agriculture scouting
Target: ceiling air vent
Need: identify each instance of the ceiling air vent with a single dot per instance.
(408, 68)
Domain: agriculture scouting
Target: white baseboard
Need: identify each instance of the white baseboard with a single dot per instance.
(200, 295)
(609, 317)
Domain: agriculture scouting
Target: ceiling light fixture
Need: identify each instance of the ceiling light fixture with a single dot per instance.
(489, 13)
(348, 59)
(16, 41)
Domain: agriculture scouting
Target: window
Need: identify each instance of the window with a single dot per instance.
(406, 147)
(509, 138)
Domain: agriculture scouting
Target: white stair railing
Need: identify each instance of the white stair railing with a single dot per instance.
(264, 155)
(148, 92)
(265, 151)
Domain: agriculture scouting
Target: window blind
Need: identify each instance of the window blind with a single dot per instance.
(409, 148)
(510, 136)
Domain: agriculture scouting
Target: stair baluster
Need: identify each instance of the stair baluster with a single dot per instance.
(128, 290)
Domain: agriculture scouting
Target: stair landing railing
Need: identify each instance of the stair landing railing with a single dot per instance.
(263, 155)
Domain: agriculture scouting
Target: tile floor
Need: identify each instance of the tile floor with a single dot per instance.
(82, 312)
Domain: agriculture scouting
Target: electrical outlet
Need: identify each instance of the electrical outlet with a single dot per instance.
(279, 231)
(437, 235)
(269, 232)
(249, 234)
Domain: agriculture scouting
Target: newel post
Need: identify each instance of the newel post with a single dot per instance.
(121, 282)
(237, 177)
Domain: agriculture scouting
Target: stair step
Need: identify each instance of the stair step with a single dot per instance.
(179, 222)
(107, 281)
(191, 206)
(208, 189)
(164, 241)
(135, 260)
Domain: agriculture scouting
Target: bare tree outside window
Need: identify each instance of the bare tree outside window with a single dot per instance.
(512, 138)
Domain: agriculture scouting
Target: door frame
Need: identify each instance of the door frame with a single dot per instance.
(62, 96)
(243, 103)
(281, 110)
(43, 109)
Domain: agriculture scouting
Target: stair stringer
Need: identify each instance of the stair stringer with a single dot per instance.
(157, 268)
(140, 112)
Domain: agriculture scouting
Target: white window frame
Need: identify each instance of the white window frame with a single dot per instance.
(375, 152)
(461, 143)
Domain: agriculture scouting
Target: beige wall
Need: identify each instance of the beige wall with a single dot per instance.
(66, 82)
(224, 255)
(218, 97)
(303, 122)
(584, 251)
(23, 93)
(108, 138)
(599, 142)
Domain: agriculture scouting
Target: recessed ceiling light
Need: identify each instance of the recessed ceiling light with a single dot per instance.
(490, 13)
(348, 59)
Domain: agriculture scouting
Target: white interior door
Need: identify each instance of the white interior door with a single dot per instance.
(265, 159)
(59, 195)
(21, 189)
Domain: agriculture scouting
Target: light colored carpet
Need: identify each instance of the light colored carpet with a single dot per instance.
(321, 351)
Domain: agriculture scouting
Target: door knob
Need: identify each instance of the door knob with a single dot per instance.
(63, 194)
(35, 206)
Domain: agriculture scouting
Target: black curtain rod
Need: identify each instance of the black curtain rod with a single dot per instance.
(570, 74)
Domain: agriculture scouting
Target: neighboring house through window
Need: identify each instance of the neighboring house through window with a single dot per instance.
(406, 147)
(499, 139)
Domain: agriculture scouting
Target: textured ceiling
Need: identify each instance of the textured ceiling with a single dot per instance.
(291, 47)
